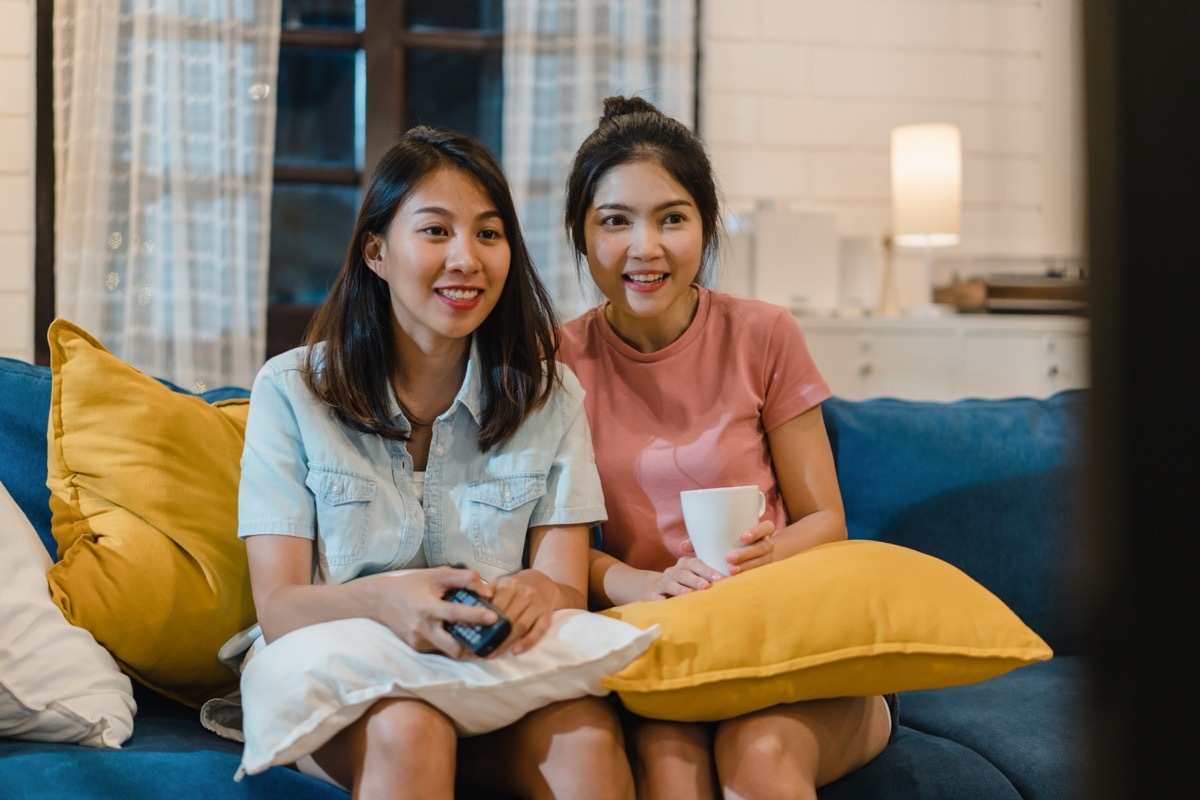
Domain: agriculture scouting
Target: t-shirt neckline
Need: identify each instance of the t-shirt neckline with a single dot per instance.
(689, 335)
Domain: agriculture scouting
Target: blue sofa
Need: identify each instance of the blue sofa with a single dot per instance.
(987, 485)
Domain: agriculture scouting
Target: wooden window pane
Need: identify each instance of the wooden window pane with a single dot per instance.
(462, 91)
(479, 15)
(342, 14)
(319, 117)
(310, 226)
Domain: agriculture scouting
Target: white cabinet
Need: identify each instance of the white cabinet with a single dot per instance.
(947, 358)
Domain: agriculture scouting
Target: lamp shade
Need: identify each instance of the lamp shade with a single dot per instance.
(926, 185)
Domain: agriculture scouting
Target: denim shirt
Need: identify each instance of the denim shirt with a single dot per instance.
(306, 474)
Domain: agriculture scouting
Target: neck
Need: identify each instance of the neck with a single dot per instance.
(427, 380)
(651, 334)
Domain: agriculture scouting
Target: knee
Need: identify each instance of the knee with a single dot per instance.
(405, 729)
(590, 732)
(758, 759)
(582, 751)
(762, 752)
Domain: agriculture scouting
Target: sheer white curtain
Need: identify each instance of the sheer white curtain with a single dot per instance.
(164, 115)
(561, 59)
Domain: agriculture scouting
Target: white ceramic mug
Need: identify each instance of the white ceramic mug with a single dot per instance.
(716, 519)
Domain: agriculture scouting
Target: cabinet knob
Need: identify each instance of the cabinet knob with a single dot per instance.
(1052, 371)
(865, 370)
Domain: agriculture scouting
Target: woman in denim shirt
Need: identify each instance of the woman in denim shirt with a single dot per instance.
(426, 424)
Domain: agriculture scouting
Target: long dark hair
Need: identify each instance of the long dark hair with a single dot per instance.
(633, 129)
(353, 371)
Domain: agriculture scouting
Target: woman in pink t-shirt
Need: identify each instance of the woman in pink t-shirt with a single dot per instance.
(689, 388)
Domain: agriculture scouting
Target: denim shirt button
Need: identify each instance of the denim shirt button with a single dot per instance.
(336, 488)
(432, 511)
(438, 449)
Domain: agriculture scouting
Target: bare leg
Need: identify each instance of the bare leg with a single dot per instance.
(672, 759)
(400, 748)
(573, 749)
(789, 751)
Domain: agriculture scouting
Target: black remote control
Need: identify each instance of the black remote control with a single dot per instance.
(479, 639)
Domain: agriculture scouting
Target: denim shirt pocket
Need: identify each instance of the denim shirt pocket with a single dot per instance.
(343, 513)
(498, 511)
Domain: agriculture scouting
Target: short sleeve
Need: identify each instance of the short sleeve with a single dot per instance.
(272, 495)
(573, 494)
(793, 382)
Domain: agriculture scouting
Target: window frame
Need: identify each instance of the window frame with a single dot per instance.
(384, 41)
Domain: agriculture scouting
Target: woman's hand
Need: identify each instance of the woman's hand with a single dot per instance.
(528, 598)
(691, 574)
(757, 550)
(411, 604)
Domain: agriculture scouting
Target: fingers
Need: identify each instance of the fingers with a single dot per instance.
(520, 598)
(688, 575)
(464, 578)
(759, 552)
(758, 532)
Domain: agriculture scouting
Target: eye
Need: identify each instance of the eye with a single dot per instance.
(491, 234)
(675, 218)
(435, 230)
(613, 221)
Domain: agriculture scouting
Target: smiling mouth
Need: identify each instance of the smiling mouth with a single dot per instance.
(645, 278)
(460, 295)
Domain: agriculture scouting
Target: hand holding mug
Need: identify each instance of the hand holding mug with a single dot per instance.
(716, 520)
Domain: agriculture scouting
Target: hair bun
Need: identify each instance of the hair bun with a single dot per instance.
(619, 106)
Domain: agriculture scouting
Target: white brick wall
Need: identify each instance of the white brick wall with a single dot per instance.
(16, 178)
(797, 101)
(798, 98)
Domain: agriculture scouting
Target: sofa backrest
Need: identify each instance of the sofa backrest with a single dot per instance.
(24, 412)
(990, 486)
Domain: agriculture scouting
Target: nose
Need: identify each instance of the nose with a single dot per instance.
(645, 242)
(462, 256)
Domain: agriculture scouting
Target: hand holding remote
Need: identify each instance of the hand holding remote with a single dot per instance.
(479, 639)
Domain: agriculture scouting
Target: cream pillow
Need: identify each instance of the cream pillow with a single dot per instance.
(849, 618)
(56, 683)
(302, 689)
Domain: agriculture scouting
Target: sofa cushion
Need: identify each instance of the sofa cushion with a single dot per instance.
(143, 486)
(24, 409)
(195, 773)
(990, 486)
(919, 766)
(1026, 723)
(845, 618)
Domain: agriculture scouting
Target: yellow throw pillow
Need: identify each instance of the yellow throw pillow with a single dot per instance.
(850, 618)
(143, 484)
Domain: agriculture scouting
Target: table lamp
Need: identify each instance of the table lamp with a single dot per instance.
(926, 196)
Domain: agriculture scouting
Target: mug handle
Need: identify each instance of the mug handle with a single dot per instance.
(762, 504)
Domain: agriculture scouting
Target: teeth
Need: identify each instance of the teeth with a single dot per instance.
(460, 294)
(647, 277)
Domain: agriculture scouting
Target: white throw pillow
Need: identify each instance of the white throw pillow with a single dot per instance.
(305, 687)
(57, 684)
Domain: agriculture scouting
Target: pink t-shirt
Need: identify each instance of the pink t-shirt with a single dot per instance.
(693, 415)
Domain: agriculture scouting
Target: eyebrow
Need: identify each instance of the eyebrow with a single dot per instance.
(659, 207)
(489, 214)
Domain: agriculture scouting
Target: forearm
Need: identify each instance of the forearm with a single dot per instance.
(283, 609)
(560, 594)
(612, 582)
(817, 528)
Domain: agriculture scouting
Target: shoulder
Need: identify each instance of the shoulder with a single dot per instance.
(745, 308)
(578, 336)
(581, 327)
(755, 322)
(283, 373)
